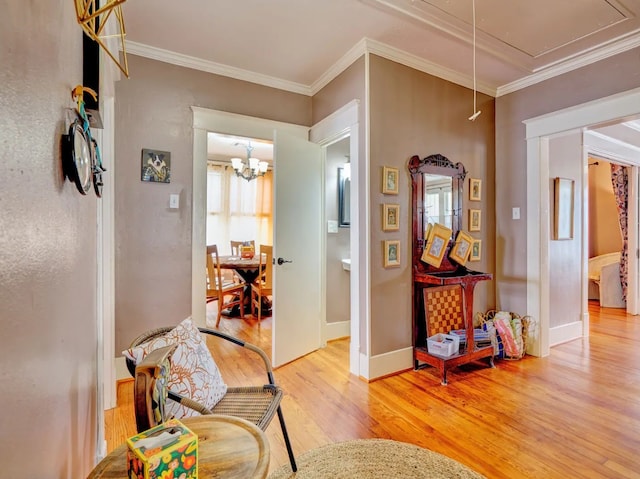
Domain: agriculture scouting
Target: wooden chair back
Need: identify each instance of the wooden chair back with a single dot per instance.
(266, 266)
(217, 288)
(235, 246)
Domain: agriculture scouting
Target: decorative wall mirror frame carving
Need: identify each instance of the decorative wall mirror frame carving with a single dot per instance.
(435, 179)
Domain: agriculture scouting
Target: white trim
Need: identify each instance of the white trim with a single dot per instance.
(564, 333)
(567, 65)
(330, 129)
(338, 330)
(538, 131)
(338, 67)
(584, 196)
(611, 148)
(390, 363)
(147, 51)
(608, 109)
(420, 64)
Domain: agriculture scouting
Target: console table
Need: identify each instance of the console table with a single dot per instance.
(442, 295)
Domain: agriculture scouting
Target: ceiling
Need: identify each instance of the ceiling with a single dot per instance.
(300, 45)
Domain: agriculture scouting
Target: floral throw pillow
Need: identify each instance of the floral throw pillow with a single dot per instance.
(194, 373)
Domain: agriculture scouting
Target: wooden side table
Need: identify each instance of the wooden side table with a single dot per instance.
(228, 448)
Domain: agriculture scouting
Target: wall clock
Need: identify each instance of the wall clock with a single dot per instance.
(77, 157)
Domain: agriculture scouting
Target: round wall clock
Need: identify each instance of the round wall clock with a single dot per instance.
(78, 157)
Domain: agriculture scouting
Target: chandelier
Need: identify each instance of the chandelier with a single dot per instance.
(252, 168)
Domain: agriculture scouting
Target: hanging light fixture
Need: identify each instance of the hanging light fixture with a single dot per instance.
(476, 112)
(252, 168)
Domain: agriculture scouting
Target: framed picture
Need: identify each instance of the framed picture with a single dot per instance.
(390, 217)
(475, 189)
(563, 209)
(389, 180)
(476, 250)
(436, 244)
(156, 166)
(475, 220)
(461, 248)
(391, 253)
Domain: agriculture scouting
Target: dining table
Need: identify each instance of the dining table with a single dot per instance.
(248, 269)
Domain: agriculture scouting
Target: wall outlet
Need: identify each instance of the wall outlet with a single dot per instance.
(515, 213)
(332, 226)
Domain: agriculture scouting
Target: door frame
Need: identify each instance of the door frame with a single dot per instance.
(339, 124)
(538, 131)
(205, 120)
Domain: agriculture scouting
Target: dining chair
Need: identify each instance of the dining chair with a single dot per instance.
(218, 288)
(153, 387)
(236, 250)
(263, 285)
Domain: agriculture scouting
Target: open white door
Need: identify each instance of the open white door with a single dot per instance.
(298, 241)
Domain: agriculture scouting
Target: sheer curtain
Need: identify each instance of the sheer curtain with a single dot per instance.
(238, 209)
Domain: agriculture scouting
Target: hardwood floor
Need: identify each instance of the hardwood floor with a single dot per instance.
(575, 413)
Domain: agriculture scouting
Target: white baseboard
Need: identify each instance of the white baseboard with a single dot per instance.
(390, 363)
(340, 329)
(566, 332)
(121, 369)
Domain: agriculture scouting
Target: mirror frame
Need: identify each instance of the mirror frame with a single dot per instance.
(344, 200)
(437, 165)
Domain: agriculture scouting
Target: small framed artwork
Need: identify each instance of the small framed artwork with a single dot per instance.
(475, 189)
(156, 166)
(436, 244)
(476, 250)
(390, 217)
(461, 248)
(390, 180)
(563, 209)
(391, 253)
(475, 218)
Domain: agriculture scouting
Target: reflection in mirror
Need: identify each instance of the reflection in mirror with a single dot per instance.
(344, 198)
(438, 199)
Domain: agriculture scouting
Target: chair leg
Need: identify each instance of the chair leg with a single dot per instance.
(219, 312)
(259, 310)
(287, 442)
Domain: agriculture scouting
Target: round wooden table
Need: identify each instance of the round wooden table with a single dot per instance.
(228, 447)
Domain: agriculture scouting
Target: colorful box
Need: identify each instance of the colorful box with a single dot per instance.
(166, 450)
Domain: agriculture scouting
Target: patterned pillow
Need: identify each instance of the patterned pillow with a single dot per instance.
(194, 373)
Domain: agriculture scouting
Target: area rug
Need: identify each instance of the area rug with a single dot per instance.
(374, 459)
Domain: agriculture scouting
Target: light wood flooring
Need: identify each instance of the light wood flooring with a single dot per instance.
(575, 413)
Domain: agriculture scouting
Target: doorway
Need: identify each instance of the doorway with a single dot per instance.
(539, 131)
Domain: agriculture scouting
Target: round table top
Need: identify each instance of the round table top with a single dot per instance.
(237, 262)
(228, 447)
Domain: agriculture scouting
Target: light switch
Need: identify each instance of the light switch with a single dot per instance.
(515, 213)
(174, 201)
(332, 226)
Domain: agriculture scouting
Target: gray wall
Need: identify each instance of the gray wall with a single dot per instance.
(153, 243)
(48, 259)
(413, 113)
(565, 256)
(607, 77)
(338, 287)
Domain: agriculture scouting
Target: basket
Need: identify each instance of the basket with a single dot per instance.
(486, 321)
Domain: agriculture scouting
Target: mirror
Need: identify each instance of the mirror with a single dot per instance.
(437, 185)
(344, 198)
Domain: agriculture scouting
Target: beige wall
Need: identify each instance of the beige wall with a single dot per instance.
(565, 256)
(153, 243)
(338, 246)
(604, 227)
(48, 260)
(573, 88)
(413, 113)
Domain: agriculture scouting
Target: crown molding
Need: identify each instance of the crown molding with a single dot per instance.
(577, 61)
(179, 59)
(417, 63)
(358, 50)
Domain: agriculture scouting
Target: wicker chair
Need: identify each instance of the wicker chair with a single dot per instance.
(256, 404)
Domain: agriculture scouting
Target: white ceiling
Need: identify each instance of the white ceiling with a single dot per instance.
(300, 45)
